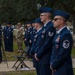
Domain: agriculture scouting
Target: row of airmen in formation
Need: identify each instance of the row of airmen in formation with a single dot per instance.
(51, 50)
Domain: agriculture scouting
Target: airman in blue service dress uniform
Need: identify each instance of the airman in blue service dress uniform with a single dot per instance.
(61, 62)
(0, 43)
(33, 31)
(28, 34)
(44, 46)
(38, 27)
(27, 37)
(5, 39)
(8, 37)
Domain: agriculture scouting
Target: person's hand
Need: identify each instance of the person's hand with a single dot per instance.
(25, 39)
(7, 37)
(52, 68)
(30, 41)
(36, 57)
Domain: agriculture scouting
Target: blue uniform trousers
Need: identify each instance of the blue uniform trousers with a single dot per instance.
(0, 54)
(44, 69)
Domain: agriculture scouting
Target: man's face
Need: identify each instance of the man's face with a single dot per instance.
(19, 24)
(57, 21)
(36, 26)
(28, 25)
(33, 24)
(8, 25)
(43, 17)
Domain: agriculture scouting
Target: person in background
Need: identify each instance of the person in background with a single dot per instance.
(27, 38)
(32, 32)
(0, 43)
(19, 37)
(8, 37)
(4, 36)
(28, 34)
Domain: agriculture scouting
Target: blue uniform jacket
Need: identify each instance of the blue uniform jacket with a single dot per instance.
(9, 33)
(34, 45)
(27, 36)
(61, 53)
(0, 36)
(32, 34)
(44, 43)
(4, 31)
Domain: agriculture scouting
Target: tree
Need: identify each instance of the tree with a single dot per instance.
(7, 11)
(18, 10)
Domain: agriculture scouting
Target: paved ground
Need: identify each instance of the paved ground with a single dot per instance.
(3, 66)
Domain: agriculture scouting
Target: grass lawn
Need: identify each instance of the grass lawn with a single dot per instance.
(11, 55)
(74, 71)
(19, 73)
(73, 52)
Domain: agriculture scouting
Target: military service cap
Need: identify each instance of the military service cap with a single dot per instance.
(62, 13)
(45, 10)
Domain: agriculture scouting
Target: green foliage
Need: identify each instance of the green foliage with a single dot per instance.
(18, 10)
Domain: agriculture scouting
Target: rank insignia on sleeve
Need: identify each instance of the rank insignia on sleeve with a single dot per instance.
(66, 44)
(50, 34)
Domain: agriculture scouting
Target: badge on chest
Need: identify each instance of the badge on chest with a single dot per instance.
(35, 37)
(43, 32)
(57, 42)
(57, 39)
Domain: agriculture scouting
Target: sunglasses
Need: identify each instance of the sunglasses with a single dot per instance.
(55, 19)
